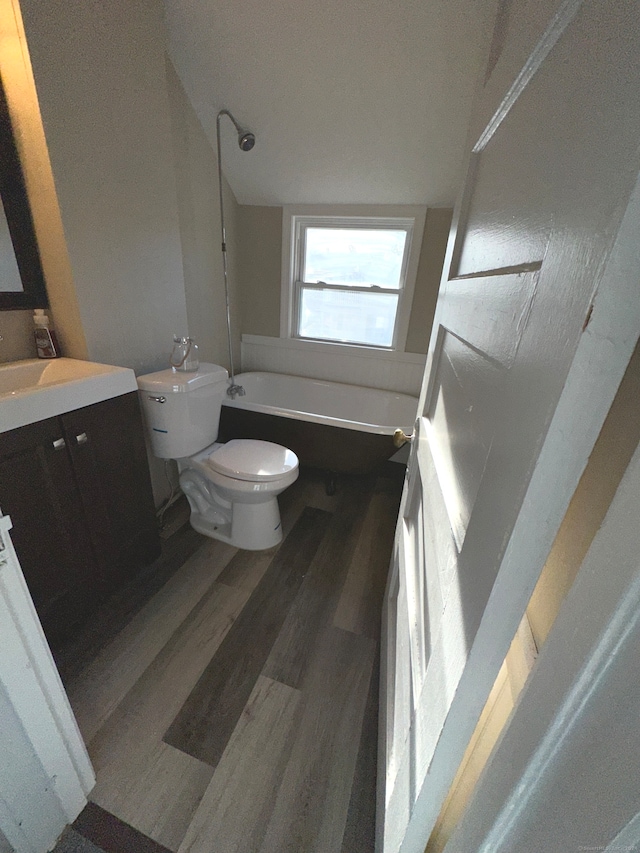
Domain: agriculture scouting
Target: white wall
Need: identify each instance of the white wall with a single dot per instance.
(136, 182)
(19, 85)
(199, 211)
(261, 269)
(101, 80)
(389, 371)
(17, 342)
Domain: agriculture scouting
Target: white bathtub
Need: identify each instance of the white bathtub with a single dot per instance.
(328, 424)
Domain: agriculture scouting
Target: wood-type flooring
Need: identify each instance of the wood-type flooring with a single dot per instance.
(235, 710)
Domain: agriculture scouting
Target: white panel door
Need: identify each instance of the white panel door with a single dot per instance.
(555, 158)
(45, 772)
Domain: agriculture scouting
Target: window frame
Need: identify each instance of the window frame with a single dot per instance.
(297, 218)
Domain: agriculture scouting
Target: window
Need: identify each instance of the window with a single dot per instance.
(349, 278)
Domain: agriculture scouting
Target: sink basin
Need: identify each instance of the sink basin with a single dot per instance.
(35, 389)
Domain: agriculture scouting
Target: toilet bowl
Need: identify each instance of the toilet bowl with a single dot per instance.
(232, 488)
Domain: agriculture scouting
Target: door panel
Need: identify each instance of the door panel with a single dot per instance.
(489, 313)
(548, 184)
(460, 426)
(554, 136)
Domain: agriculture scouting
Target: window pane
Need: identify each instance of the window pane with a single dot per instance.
(338, 315)
(354, 256)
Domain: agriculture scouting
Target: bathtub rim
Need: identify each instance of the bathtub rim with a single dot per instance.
(328, 420)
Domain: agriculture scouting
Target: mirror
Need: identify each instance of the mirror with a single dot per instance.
(10, 281)
(21, 276)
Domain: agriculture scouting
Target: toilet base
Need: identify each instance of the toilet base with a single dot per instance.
(253, 527)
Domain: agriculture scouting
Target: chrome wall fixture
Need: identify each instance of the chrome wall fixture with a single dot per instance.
(246, 141)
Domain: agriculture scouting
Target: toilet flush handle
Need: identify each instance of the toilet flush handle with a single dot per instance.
(158, 398)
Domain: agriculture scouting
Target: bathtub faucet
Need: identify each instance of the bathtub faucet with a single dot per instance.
(235, 390)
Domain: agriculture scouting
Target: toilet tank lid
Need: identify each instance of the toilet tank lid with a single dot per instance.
(178, 381)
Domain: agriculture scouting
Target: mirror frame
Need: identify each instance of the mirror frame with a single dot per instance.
(13, 192)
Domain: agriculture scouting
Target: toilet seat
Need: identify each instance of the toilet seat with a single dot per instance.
(252, 460)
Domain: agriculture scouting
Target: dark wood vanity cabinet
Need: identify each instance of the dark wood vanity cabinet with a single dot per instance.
(78, 491)
(38, 490)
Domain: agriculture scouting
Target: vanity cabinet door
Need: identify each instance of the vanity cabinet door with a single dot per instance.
(110, 464)
(78, 491)
(38, 491)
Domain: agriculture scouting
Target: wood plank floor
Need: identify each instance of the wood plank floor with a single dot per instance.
(236, 708)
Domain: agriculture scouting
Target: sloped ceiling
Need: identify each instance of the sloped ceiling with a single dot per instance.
(351, 101)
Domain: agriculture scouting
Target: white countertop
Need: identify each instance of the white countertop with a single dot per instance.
(34, 389)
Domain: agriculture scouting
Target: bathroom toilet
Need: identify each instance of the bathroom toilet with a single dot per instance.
(232, 488)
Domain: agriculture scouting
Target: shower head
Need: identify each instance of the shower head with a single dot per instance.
(246, 139)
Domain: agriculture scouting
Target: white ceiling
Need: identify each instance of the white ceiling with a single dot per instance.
(351, 101)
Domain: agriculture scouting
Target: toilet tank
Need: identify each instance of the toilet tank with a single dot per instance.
(182, 410)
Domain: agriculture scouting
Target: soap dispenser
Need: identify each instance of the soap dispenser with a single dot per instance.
(46, 341)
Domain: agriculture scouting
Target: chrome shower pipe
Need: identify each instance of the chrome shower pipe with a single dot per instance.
(246, 141)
